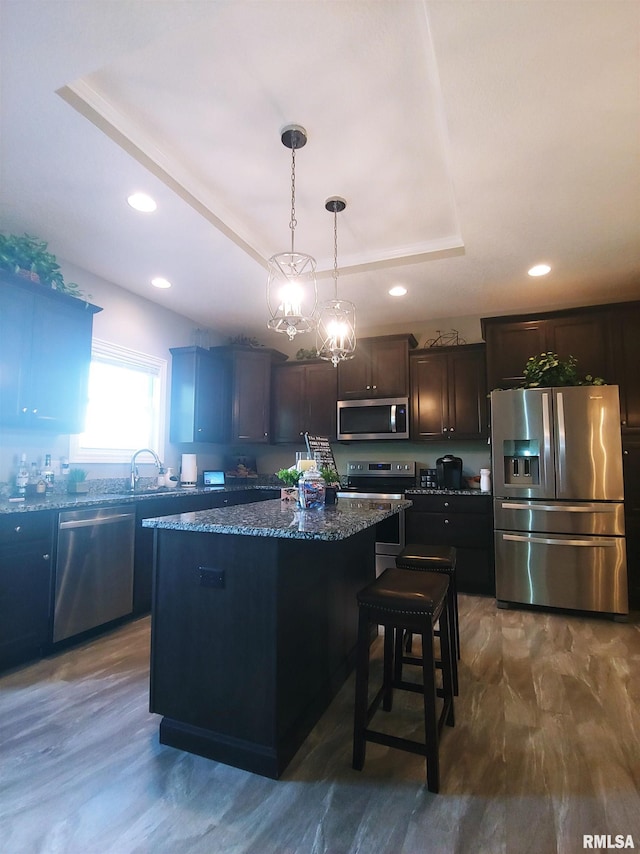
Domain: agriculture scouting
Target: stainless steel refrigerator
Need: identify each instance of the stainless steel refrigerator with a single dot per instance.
(558, 498)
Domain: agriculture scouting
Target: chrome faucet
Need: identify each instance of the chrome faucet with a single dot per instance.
(135, 477)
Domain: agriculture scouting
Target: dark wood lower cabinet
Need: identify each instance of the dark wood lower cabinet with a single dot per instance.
(252, 637)
(26, 547)
(463, 521)
(631, 465)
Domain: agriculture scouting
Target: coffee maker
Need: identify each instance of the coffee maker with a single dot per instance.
(449, 472)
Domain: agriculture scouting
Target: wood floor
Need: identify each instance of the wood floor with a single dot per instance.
(546, 748)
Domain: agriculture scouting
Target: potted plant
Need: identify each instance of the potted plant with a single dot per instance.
(548, 370)
(28, 256)
(289, 477)
(76, 481)
(332, 479)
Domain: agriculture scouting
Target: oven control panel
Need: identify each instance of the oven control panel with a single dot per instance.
(376, 468)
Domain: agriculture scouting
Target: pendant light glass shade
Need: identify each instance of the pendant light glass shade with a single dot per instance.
(336, 327)
(292, 294)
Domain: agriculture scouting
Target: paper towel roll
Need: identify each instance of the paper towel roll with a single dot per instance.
(188, 470)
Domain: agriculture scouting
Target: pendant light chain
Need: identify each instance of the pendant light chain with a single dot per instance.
(293, 221)
(335, 250)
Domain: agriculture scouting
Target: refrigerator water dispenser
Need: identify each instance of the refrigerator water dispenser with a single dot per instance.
(521, 462)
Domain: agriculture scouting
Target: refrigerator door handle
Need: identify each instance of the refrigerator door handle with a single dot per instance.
(609, 543)
(560, 508)
(562, 438)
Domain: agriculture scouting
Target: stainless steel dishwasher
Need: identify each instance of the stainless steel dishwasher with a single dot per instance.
(94, 569)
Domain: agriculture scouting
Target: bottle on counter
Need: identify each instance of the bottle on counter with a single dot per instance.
(48, 473)
(22, 477)
(485, 480)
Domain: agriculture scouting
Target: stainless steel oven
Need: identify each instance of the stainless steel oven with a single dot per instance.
(382, 481)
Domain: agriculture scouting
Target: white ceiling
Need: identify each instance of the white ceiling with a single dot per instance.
(470, 139)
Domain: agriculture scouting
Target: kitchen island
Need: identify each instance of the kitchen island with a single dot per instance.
(254, 623)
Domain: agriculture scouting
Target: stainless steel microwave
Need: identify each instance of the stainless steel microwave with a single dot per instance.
(386, 418)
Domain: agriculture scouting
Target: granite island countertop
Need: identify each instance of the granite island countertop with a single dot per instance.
(418, 491)
(276, 518)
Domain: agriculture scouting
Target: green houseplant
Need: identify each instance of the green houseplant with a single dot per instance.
(29, 256)
(289, 477)
(548, 370)
(76, 481)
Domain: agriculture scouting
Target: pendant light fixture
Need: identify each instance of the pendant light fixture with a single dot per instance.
(292, 293)
(336, 329)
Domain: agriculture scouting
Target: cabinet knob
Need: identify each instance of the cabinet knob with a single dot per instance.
(446, 503)
(24, 409)
(17, 529)
(368, 387)
(446, 521)
(199, 429)
(625, 453)
(374, 386)
(444, 429)
(623, 422)
(34, 411)
(451, 429)
(46, 557)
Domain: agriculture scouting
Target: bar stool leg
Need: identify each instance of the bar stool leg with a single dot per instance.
(447, 656)
(430, 718)
(362, 692)
(387, 680)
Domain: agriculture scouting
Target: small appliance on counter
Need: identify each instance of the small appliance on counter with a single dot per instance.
(188, 472)
(449, 472)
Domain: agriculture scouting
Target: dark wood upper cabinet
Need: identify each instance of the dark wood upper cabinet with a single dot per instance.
(448, 393)
(585, 334)
(45, 355)
(222, 394)
(199, 396)
(626, 327)
(303, 399)
(380, 368)
(250, 393)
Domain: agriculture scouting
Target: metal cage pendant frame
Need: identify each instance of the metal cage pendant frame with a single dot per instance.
(336, 324)
(292, 292)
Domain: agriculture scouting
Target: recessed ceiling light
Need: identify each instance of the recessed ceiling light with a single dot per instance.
(398, 291)
(540, 270)
(142, 202)
(159, 282)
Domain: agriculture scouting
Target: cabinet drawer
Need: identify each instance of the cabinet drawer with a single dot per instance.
(471, 531)
(16, 528)
(451, 503)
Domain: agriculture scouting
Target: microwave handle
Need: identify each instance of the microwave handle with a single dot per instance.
(394, 429)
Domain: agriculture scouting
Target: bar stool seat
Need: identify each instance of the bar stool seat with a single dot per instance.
(403, 601)
(417, 556)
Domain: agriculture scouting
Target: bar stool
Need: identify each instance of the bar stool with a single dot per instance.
(415, 602)
(435, 559)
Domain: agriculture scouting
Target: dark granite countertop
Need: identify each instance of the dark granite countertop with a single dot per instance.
(283, 519)
(64, 501)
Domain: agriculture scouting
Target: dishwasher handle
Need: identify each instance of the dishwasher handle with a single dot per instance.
(95, 520)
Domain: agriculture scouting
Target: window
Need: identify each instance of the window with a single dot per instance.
(126, 405)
